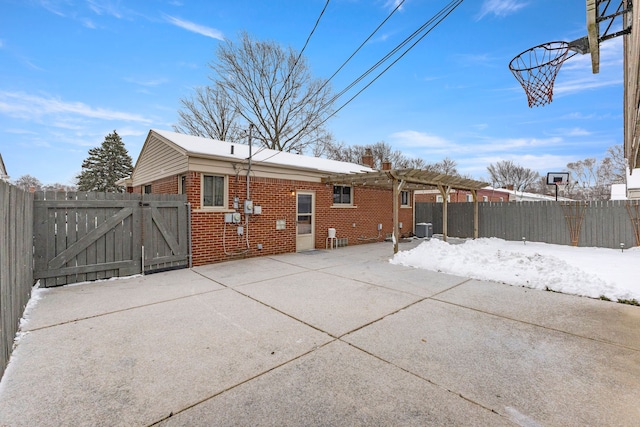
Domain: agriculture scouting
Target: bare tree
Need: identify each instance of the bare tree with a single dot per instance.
(210, 113)
(27, 182)
(267, 86)
(445, 166)
(618, 164)
(506, 173)
(381, 152)
(57, 186)
(590, 179)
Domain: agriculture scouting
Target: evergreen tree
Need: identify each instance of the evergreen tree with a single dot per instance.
(105, 165)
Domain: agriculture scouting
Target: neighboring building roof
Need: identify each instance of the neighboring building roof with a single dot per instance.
(523, 196)
(628, 191)
(484, 190)
(195, 146)
(618, 192)
(3, 170)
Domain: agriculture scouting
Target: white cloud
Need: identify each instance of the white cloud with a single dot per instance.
(147, 83)
(500, 8)
(88, 23)
(415, 139)
(434, 144)
(195, 28)
(104, 8)
(575, 132)
(392, 4)
(52, 7)
(27, 106)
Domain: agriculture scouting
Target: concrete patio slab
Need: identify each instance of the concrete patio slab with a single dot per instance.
(412, 280)
(337, 385)
(135, 367)
(241, 272)
(332, 304)
(68, 303)
(531, 374)
(585, 317)
(269, 341)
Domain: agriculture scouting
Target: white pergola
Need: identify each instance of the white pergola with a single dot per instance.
(409, 180)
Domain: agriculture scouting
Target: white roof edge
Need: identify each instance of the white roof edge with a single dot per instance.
(195, 146)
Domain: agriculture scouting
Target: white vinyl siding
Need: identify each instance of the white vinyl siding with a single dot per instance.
(158, 160)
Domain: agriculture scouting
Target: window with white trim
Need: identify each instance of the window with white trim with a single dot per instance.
(213, 191)
(469, 197)
(485, 198)
(342, 195)
(404, 198)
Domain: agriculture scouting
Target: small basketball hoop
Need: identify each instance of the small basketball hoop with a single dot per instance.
(536, 70)
(556, 179)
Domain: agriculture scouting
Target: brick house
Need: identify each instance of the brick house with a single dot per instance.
(264, 202)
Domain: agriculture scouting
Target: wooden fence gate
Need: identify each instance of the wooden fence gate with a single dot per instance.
(89, 236)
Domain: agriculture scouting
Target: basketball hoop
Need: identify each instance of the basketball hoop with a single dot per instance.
(536, 70)
(556, 179)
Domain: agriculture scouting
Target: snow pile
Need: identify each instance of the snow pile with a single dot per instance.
(592, 272)
(37, 293)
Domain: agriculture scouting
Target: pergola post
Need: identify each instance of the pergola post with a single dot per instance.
(444, 194)
(474, 193)
(414, 179)
(397, 188)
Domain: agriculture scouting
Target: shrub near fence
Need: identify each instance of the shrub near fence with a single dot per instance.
(604, 224)
(16, 263)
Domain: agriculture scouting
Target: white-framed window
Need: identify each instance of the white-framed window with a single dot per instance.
(469, 197)
(439, 199)
(213, 191)
(502, 199)
(485, 198)
(342, 195)
(405, 200)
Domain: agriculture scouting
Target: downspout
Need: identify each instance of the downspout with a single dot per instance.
(249, 168)
(246, 215)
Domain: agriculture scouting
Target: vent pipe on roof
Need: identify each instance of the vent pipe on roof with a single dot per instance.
(232, 149)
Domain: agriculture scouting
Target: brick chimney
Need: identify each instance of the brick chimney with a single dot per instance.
(367, 158)
(386, 165)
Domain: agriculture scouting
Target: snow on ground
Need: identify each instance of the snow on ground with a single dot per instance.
(591, 272)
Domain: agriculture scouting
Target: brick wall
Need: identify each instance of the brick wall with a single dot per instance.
(214, 241)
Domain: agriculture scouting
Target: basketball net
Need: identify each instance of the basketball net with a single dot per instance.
(536, 70)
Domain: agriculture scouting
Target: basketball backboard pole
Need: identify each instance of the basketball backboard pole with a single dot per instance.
(600, 22)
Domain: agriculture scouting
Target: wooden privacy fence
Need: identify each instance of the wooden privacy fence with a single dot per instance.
(16, 271)
(82, 236)
(604, 224)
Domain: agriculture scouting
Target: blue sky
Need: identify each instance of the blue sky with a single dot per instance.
(72, 71)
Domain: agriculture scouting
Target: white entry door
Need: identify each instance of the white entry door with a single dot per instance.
(305, 223)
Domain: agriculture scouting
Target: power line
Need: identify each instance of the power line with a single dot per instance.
(438, 18)
(286, 80)
(363, 43)
(295, 64)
